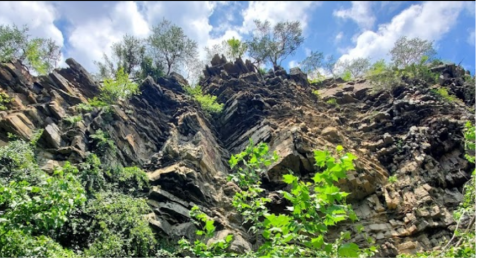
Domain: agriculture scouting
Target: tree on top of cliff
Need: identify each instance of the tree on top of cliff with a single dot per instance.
(410, 51)
(274, 44)
(168, 45)
(37, 54)
(128, 54)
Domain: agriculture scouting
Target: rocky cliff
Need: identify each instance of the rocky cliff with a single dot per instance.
(405, 131)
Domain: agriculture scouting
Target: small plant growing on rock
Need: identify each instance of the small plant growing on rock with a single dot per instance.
(332, 101)
(103, 142)
(392, 179)
(73, 119)
(4, 100)
(207, 102)
(443, 92)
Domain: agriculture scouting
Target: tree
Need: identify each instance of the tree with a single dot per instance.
(312, 63)
(218, 48)
(329, 65)
(38, 54)
(356, 67)
(410, 51)
(128, 54)
(170, 46)
(275, 44)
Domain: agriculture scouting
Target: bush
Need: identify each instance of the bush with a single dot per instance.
(316, 207)
(4, 100)
(207, 102)
(35, 205)
(119, 228)
(119, 88)
(73, 119)
(15, 243)
(443, 92)
(332, 101)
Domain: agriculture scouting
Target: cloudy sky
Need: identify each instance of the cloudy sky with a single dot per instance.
(86, 30)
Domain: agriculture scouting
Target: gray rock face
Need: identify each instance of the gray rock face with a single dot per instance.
(406, 132)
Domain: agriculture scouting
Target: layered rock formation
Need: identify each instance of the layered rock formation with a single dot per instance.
(405, 131)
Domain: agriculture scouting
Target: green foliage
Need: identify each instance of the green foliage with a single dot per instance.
(407, 51)
(392, 179)
(262, 71)
(38, 54)
(73, 119)
(332, 101)
(170, 46)
(127, 54)
(118, 228)
(16, 243)
(347, 76)
(113, 90)
(95, 102)
(86, 107)
(129, 179)
(103, 142)
(316, 92)
(316, 206)
(35, 205)
(354, 67)
(419, 71)
(237, 48)
(316, 78)
(207, 102)
(312, 62)
(274, 44)
(150, 68)
(443, 92)
(4, 100)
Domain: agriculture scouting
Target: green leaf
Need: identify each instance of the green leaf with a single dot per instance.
(348, 250)
(289, 178)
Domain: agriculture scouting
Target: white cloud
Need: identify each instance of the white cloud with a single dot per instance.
(339, 37)
(39, 16)
(293, 64)
(276, 11)
(90, 39)
(360, 12)
(471, 37)
(430, 21)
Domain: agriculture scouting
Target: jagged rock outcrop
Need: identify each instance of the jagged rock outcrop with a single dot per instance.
(405, 131)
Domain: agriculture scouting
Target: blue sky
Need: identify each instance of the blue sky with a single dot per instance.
(86, 30)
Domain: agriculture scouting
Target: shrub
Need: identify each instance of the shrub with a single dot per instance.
(35, 205)
(443, 92)
(15, 243)
(207, 102)
(347, 76)
(103, 142)
(332, 101)
(129, 179)
(73, 119)
(119, 228)
(316, 206)
(85, 107)
(4, 100)
(120, 88)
